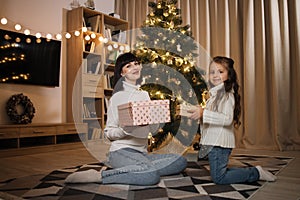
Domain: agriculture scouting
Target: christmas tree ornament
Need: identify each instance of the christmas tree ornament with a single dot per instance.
(205, 96)
(194, 79)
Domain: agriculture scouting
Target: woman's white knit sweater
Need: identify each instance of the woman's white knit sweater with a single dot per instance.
(117, 135)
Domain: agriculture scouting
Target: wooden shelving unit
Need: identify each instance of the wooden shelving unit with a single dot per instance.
(88, 69)
(15, 139)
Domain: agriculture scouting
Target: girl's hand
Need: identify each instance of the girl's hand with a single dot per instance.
(196, 113)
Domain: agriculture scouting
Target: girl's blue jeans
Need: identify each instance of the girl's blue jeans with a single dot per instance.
(137, 168)
(218, 159)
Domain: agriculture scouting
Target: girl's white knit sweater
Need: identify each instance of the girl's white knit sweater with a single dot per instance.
(218, 129)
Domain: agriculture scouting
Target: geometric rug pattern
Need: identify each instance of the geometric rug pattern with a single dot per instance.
(193, 183)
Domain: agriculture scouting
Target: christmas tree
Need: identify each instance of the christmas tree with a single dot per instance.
(167, 51)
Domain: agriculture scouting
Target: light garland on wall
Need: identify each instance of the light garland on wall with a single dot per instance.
(88, 35)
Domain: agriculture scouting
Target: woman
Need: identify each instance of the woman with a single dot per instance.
(128, 156)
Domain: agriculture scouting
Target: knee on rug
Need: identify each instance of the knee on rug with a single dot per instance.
(150, 178)
(217, 180)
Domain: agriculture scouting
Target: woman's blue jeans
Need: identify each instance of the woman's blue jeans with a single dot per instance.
(220, 174)
(137, 168)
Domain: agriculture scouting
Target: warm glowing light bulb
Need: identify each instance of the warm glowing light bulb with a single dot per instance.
(93, 35)
(77, 33)
(7, 37)
(122, 48)
(127, 48)
(49, 36)
(58, 36)
(68, 35)
(109, 48)
(105, 40)
(27, 32)
(18, 27)
(38, 35)
(87, 37)
(101, 39)
(84, 29)
(3, 21)
(115, 45)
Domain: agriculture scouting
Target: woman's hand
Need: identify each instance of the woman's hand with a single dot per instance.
(196, 113)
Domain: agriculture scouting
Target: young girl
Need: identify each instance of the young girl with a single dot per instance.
(128, 155)
(219, 118)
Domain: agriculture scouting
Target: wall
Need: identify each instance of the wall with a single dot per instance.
(46, 17)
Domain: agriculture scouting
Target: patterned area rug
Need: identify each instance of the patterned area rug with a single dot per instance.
(193, 183)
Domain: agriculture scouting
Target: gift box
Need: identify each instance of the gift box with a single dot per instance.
(144, 112)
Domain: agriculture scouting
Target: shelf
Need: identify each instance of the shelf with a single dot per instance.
(115, 21)
(10, 143)
(37, 141)
(19, 137)
(94, 82)
(70, 138)
(111, 42)
(109, 67)
(108, 91)
(87, 53)
(92, 118)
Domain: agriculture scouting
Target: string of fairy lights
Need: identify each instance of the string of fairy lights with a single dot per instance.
(88, 35)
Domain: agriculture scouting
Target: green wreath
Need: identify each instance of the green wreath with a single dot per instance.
(28, 109)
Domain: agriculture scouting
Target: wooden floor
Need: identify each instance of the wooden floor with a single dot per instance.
(286, 187)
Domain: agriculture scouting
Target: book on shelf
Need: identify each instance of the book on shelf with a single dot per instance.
(108, 81)
(89, 46)
(83, 22)
(97, 133)
(107, 33)
(98, 68)
(122, 37)
(91, 64)
(92, 48)
(84, 65)
(115, 35)
(86, 113)
(89, 67)
(89, 111)
(119, 36)
(106, 103)
(94, 22)
(111, 56)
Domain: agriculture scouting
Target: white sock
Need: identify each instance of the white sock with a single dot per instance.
(265, 175)
(88, 176)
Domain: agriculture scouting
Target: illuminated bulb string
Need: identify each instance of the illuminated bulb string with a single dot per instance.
(88, 35)
(13, 58)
